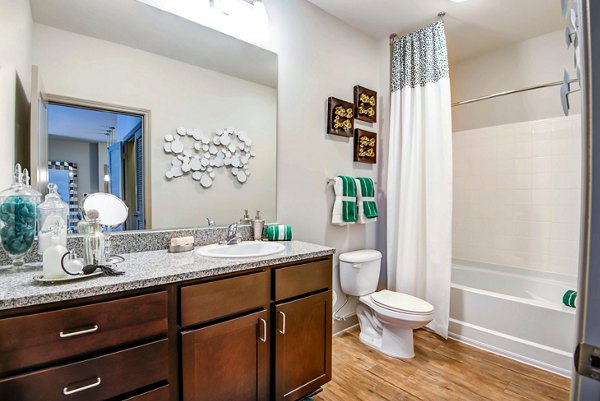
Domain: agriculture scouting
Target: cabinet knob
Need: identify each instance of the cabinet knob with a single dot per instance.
(263, 336)
(282, 330)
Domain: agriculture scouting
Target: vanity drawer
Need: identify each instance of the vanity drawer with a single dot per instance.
(93, 379)
(221, 298)
(31, 340)
(296, 280)
(159, 394)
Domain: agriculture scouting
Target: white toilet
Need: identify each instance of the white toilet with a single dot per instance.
(387, 318)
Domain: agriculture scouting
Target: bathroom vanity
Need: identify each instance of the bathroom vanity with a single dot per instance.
(174, 327)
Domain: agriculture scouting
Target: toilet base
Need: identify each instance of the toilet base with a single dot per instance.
(397, 342)
(394, 342)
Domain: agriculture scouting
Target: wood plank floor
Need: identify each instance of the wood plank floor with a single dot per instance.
(441, 370)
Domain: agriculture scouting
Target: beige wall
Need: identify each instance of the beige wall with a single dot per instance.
(177, 94)
(319, 56)
(15, 59)
(535, 61)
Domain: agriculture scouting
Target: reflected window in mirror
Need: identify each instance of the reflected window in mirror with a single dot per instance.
(108, 149)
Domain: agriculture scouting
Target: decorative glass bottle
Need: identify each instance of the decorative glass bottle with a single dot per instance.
(93, 241)
(53, 215)
(18, 214)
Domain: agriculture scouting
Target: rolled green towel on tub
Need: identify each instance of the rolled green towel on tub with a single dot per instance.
(279, 232)
(569, 298)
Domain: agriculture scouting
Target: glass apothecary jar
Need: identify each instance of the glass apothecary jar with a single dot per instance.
(18, 215)
(52, 222)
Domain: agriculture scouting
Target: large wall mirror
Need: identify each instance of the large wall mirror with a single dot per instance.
(177, 119)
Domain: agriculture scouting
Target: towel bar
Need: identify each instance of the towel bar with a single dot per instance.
(331, 181)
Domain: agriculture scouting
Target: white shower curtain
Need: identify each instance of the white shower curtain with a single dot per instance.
(419, 197)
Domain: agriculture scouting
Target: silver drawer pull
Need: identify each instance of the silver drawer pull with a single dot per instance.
(263, 336)
(66, 390)
(62, 334)
(282, 331)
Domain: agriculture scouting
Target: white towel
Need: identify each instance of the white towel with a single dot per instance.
(361, 207)
(336, 215)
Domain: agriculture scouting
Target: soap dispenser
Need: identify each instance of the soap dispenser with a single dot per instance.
(245, 221)
(53, 214)
(258, 225)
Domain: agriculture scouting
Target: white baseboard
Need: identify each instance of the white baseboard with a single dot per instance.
(346, 330)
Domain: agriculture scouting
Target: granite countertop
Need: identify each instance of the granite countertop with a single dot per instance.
(142, 269)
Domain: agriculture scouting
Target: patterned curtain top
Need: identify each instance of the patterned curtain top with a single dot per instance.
(420, 57)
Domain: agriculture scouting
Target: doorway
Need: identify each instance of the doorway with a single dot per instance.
(94, 149)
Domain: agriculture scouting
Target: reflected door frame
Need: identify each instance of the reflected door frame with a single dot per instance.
(145, 114)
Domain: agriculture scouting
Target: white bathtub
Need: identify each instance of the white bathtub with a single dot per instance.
(514, 312)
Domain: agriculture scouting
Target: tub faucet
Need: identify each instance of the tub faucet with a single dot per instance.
(233, 238)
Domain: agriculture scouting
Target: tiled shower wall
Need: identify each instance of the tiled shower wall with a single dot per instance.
(517, 194)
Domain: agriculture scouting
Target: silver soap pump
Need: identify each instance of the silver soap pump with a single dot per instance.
(258, 224)
(245, 221)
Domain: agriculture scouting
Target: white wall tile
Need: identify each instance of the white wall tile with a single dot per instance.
(517, 194)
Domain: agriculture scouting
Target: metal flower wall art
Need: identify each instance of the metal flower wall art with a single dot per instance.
(228, 148)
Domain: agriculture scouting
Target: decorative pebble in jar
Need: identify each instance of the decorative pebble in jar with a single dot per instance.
(18, 212)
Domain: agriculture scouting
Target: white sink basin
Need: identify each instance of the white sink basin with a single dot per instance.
(246, 249)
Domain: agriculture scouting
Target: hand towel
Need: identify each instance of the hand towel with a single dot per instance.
(365, 198)
(569, 298)
(279, 232)
(344, 206)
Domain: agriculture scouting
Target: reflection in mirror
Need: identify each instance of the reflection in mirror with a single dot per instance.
(102, 63)
(112, 211)
(92, 150)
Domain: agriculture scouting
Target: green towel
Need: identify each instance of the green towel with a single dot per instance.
(279, 232)
(367, 187)
(349, 207)
(569, 298)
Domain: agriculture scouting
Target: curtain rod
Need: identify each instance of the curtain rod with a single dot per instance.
(394, 36)
(510, 92)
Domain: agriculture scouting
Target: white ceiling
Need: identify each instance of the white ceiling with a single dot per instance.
(472, 27)
(138, 25)
(80, 124)
(88, 125)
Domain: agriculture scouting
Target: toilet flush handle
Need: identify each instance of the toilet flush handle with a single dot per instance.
(356, 265)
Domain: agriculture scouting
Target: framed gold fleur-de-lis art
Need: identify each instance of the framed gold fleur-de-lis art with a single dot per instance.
(340, 117)
(365, 146)
(365, 104)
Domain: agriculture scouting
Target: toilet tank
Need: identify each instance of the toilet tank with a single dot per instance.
(359, 271)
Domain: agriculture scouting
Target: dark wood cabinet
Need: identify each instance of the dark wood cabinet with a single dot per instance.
(94, 379)
(302, 346)
(34, 339)
(227, 361)
(218, 299)
(258, 335)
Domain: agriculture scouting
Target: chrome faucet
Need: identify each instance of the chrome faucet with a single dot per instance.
(211, 222)
(233, 238)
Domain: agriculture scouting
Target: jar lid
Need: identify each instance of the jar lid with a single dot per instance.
(53, 201)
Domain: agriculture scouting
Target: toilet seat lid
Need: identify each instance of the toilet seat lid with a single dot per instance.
(402, 302)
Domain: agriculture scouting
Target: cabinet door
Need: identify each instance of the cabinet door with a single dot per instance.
(302, 346)
(227, 361)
